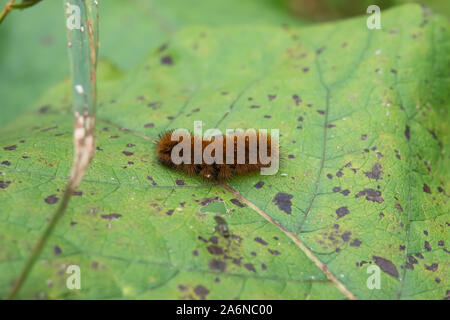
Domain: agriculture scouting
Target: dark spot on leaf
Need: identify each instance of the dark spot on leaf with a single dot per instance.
(427, 246)
(207, 201)
(44, 109)
(151, 180)
(426, 188)
(170, 212)
(155, 105)
(182, 287)
(371, 195)
(398, 207)
(433, 134)
(51, 199)
(180, 182)
(342, 211)
(236, 202)
(346, 236)
(128, 153)
(320, 50)
(432, 268)
(412, 260)
(259, 185)
(201, 291)
(355, 243)
(215, 250)
(57, 250)
(236, 261)
(9, 148)
(249, 267)
(409, 266)
(215, 264)
(6, 163)
(375, 172)
(297, 99)
(274, 252)
(261, 241)
(407, 132)
(48, 129)
(214, 239)
(283, 201)
(163, 47)
(149, 125)
(236, 237)
(111, 216)
(167, 60)
(386, 266)
(272, 96)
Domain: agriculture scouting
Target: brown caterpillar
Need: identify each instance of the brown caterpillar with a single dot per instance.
(224, 169)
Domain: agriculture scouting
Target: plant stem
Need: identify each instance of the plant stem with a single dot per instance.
(11, 5)
(24, 5)
(40, 245)
(6, 10)
(83, 48)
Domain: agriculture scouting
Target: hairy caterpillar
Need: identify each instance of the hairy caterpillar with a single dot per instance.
(232, 155)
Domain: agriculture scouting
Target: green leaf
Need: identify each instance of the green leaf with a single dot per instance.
(33, 55)
(363, 181)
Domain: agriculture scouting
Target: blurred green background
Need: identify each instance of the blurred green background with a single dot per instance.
(33, 53)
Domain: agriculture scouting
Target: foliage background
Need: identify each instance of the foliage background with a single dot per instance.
(33, 53)
(125, 228)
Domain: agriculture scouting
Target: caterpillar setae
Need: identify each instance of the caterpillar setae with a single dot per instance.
(219, 158)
